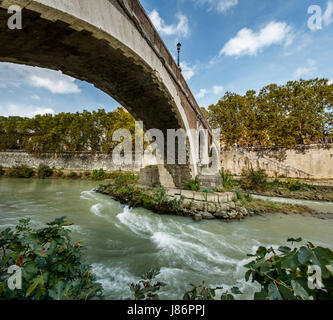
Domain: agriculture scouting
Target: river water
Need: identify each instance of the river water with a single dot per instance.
(123, 243)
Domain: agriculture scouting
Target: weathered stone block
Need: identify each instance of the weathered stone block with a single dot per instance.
(232, 214)
(187, 194)
(207, 216)
(222, 207)
(212, 197)
(199, 196)
(232, 205)
(187, 203)
(221, 215)
(223, 198)
(173, 192)
(231, 196)
(211, 207)
(199, 206)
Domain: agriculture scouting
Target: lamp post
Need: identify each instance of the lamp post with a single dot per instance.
(179, 45)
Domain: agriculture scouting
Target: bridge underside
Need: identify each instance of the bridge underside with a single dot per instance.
(111, 68)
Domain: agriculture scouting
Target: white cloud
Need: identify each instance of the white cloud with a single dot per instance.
(306, 71)
(216, 90)
(328, 15)
(35, 97)
(23, 110)
(63, 86)
(182, 28)
(202, 93)
(187, 70)
(55, 81)
(220, 5)
(248, 42)
(330, 81)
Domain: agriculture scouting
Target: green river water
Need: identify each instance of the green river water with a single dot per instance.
(123, 243)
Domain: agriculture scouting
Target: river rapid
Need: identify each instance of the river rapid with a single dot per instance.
(123, 243)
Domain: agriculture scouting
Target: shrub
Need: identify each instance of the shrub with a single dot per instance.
(226, 179)
(2, 171)
(99, 174)
(58, 173)
(193, 184)
(293, 185)
(289, 274)
(124, 178)
(22, 171)
(204, 293)
(254, 179)
(146, 288)
(44, 171)
(52, 266)
(160, 195)
(208, 191)
(73, 175)
(243, 197)
(87, 174)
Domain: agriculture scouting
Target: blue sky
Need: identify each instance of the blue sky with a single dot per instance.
(228, 45)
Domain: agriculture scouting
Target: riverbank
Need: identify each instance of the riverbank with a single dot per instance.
(258, 183)
(318, 193)
(225, 207)
(46, 172)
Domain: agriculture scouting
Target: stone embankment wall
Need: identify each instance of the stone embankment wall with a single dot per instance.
(81, 161)
(209, 206)
(306, 162)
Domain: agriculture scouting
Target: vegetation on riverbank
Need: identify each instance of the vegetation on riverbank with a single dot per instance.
(44, 171)
(257, 182)
(52, 268)
(124, 189)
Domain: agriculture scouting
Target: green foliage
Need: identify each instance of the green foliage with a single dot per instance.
(65, 132)
(204, 293)
(58, 174)
(2, 171)
(193, 184)
(284, 274)
(73, 175)
(293, 185)
(44, 171)
(207, 191)
(160, 195)
(122, 178)
(146, 288)
(226, 179)
(21, 171)
(254, 179)
(52, 266)
(298, 112)
(99, 175)
(243, 197)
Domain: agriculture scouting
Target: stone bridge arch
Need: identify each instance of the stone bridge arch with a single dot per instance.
(113, 45)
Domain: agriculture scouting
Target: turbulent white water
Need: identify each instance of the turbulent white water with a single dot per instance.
(123, 243)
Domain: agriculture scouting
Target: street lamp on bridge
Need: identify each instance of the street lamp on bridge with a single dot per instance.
(179, 45)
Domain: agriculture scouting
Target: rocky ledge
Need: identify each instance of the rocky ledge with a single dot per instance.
(209, 206)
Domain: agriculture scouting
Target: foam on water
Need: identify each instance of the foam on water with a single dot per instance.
(115, 280)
